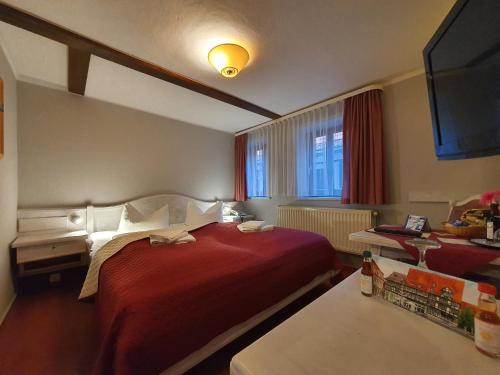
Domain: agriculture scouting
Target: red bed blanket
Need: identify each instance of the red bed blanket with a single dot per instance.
(156, 305)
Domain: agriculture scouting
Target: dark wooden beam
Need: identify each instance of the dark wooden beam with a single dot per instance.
(37, 25)
(78, 69)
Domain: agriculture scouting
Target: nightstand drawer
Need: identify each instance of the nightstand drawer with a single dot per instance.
(34, 253)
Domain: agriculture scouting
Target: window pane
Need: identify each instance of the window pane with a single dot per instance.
(256, 170)
(338, 165)
(322, 162)
(259, 173)
(319, 167)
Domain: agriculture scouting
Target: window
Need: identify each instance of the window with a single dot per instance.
(320, 161)
(260, 176)
(257, 162)
(299, 156)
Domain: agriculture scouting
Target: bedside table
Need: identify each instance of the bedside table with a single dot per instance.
(48, 252)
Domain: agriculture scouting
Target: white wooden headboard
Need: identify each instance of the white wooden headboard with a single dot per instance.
(102, 218)
(43, 219)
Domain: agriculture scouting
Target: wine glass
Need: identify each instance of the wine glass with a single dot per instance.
(423, 245)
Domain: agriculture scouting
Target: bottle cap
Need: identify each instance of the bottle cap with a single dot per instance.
(487, 288)
(367, 254)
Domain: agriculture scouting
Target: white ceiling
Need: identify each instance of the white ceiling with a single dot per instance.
(301, 52)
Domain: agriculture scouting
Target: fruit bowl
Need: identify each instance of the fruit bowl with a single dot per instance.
(471, 231)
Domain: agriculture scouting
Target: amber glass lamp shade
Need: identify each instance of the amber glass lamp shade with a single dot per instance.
(228, 59)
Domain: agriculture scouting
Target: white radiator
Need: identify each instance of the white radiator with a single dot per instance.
(334, 223)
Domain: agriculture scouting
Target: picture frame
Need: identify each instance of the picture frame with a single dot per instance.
(416, 223)
(446, 300)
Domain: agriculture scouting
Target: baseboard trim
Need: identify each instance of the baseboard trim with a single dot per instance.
(7, 309)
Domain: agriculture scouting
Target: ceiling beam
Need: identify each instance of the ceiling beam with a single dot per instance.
(78, 69)
(37, 25)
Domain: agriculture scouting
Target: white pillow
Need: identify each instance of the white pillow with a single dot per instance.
(133, 221)
(195, 215)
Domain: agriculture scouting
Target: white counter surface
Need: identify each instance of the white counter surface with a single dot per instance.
(345, 333)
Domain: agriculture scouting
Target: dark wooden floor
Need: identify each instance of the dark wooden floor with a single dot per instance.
(50, 332)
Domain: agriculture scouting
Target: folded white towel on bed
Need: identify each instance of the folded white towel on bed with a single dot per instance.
(254, 226)
(186, 239)
(171, 236)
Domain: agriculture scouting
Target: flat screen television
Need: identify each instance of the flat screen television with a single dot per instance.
(462, 62)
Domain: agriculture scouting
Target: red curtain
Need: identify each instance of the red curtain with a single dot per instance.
(364, 180)
(240, 164)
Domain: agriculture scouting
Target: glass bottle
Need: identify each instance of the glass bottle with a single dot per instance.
(487, 322)
(490, 221)
(494, 209)
(367, 274)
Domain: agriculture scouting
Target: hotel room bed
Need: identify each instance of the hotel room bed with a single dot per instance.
(159, 307)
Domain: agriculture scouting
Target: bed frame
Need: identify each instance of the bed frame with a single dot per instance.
(106, 218)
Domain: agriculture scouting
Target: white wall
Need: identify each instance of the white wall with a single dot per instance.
(411, 163)
(74, 149)
(8, 184)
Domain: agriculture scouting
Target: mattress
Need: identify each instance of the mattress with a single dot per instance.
(158, 305)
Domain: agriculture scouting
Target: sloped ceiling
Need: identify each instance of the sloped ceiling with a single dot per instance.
(302, 52)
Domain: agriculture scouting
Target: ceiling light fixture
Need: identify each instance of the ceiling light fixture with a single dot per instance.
(228, 59)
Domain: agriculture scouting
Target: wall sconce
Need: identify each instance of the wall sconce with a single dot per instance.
(76, 219)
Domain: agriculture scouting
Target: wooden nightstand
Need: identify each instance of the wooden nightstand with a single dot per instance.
(48, 252)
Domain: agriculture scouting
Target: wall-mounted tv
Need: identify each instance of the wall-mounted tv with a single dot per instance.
(462, 62)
